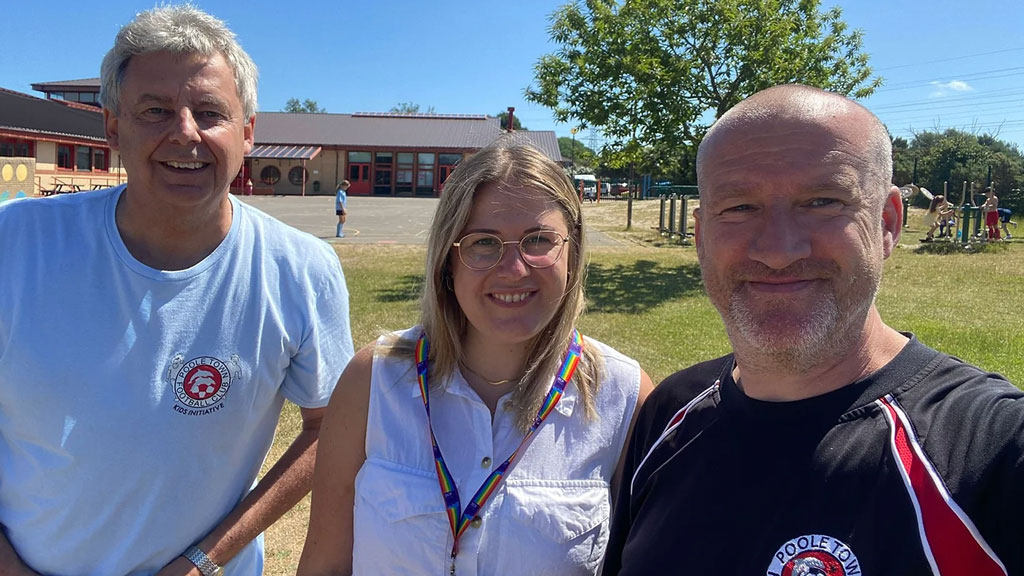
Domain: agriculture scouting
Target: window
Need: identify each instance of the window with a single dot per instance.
(78, 158)
(16, 148)
(425, 174)
(83, 158)
(383, 172)
(358, 172)
(64, 156)
(403, 173)
(449, 159)
(297, 175)
(270, 175)
(99, 159)
(359, 157)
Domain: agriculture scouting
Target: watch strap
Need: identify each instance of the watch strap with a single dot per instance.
(202, 561)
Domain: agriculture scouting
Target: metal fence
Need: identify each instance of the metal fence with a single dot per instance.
(672, 221)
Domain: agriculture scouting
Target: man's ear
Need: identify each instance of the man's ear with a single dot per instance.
(111, 129)
(249, 133)
(892, 220)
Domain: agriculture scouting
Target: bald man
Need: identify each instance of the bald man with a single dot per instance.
(827, 442)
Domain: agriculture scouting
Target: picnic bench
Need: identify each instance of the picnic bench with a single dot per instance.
(61, 188)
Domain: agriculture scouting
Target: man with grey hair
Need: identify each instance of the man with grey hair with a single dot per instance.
(826, 439)
(159, 327)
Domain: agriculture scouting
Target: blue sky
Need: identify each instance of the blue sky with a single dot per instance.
(945, 64)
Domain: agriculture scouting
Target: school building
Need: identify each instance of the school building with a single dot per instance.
(380, 154)
(49, 146)
(56, 144)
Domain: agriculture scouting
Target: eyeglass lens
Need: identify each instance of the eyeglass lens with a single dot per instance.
(482, 251)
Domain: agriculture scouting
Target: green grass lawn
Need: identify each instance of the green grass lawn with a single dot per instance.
(645, 299)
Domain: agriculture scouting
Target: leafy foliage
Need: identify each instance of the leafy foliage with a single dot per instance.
(653, 74)
(409, 108)
(955, 156)
(581, 156)
(307, 107)
(516, 125)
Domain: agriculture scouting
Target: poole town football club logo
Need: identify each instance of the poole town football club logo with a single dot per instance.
(201, 383)
(814, 555)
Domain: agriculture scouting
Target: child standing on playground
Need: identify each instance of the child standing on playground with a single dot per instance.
(991, 210)
(340, 200)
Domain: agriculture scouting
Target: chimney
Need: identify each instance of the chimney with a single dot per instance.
(511, 118)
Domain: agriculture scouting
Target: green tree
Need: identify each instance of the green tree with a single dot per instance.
(955, 156)
(653, 74)
(902, 162)
(516, 125)
(581, 156)
(307, 107)
(409, 108)
(955, 159)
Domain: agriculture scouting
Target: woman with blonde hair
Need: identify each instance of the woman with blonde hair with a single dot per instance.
(486, 439)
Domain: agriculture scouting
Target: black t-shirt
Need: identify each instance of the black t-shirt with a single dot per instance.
(920, 464)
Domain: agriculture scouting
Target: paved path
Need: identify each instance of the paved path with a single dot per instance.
(370, 220)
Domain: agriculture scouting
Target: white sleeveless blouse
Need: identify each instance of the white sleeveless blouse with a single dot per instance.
(550, 515)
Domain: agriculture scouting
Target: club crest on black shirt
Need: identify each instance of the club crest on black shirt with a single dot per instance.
(814, 555)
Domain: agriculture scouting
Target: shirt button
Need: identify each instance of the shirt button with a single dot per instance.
(476, 522)
(486, 462)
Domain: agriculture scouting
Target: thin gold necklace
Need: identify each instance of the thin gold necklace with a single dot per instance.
(491, 382)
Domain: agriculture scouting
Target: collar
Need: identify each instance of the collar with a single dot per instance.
(904, 371)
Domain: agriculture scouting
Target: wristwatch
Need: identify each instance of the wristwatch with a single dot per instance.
(202, 561)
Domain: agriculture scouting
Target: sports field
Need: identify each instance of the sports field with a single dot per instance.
(645, 298)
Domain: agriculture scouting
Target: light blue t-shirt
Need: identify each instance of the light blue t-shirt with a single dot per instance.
(340, 197)
(137, 405)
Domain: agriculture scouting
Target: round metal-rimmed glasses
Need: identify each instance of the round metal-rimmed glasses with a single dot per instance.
(482, 251)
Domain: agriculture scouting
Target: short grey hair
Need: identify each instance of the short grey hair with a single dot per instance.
(181, 29)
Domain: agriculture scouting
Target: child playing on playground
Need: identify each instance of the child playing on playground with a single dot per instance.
(1004, 218)
(931, 217)
(947, 220)
(991, 210)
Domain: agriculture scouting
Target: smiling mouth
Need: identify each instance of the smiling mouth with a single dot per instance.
(512, 298)
(774, 286)
(186, 165)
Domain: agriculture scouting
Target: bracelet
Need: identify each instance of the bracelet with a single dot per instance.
(202, 561)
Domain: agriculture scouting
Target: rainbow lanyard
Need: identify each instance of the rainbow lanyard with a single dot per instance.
(459, 520)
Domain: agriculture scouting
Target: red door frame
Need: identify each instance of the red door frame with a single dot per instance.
(443, 172)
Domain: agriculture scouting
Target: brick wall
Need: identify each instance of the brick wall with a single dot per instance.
(17, 177)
